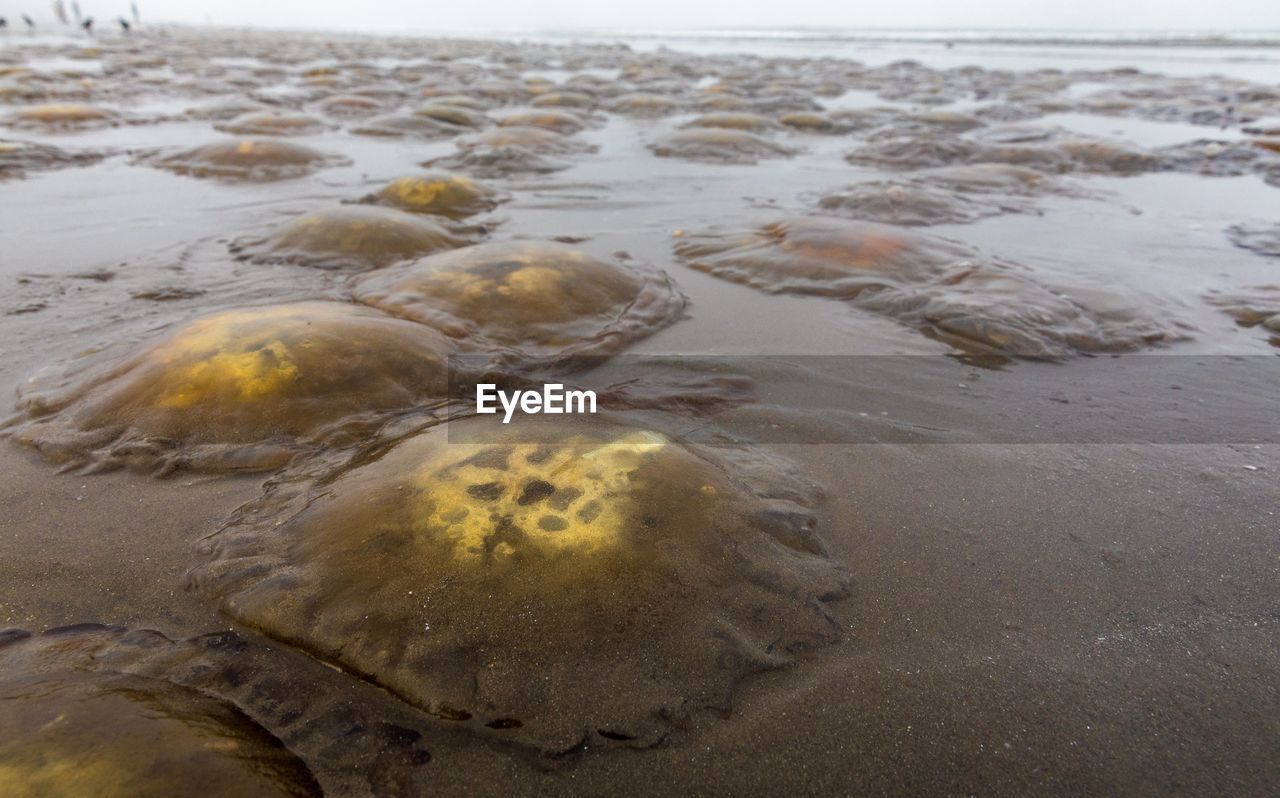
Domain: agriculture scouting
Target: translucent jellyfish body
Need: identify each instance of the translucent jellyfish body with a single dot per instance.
(439, 193)
(62, 117)
(560, 121)
(946, 290)
(247, 159)
(534, 299)
(271, 124)
(752, 123)
(565, 585)
(497, 162)
(117, 736)
(351, 236)
(718, 145)
(17, 158)
(242, 390)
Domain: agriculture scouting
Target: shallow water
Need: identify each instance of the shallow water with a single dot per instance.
(1054, 567)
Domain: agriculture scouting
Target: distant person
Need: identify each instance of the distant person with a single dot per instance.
(60, 11)
(87, 25)
(124, 24)
(4, 24)
(31, 23)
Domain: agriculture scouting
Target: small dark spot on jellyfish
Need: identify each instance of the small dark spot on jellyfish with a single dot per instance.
(535, 491)
(8, 636)
(564, 497)
(495, 458)
(613, 735)
(504, 723)
(450, 713)
(552, 523)
(589, 511)
(487, 492)
(650, 521)
(539, 455)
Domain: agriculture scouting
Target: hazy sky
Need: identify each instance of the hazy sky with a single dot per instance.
(452, 15)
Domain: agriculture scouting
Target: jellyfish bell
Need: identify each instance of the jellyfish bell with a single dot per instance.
(271, 124)
(241, 390)
(537, 300)
(246, 160)
(533, 139)
(440, 193)
(562, 122)
(718, 145)
(912, 203)
(522, 579)
(19, 157)
(940, 287)
(497, 162)
(752, 123)
(58, 117)
(351, 237)
(643, 104)
(457, 115)
(74, 733)
(399, 125)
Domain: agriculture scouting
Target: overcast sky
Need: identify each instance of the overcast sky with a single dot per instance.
(452, 15)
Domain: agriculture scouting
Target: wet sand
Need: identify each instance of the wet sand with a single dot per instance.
(1060, 614)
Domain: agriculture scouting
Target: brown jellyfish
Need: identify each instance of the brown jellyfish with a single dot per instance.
(1254, 307)
(560, 585)
(1260, 237)
(563, 99)
(247, 159)
(718, 145)
(350, 106)
(914, 203)
(405, 125)
(532, 139)
(247, 713)
(241, 390)
(457, 115)
(536, 299)
(945, 289)
(351, 237)
(752, 123)
(62, 117)
(496, 162)
(19, 157)
(120, 735)
(557, 121)
(643, 104)
(439, 193)
(271, 124)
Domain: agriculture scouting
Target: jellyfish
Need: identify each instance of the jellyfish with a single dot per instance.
(1254, 307)
(452, 114)
(565, 585)
(19, 157)
(942, 288)
(533, 139)
(718, 145)
(643, 104)
(351, 237)
(1260, 237)
(62, 118)
(562, 122)
(246, 159)
(439, 193)
(143, 714)
(563, 99)
(496, 162)
(537, 299)
(242, 389)
(752, 123)
(350, 106)
(271, 124)
(405, 125)
(807, 122)
(223, 110)
(121, 735)
(913, 203)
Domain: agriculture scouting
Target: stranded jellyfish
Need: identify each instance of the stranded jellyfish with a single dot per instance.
(537, 299)
(271, 124)
(19, 157)
(807, 122)
(439, 193)
(1257, 307)
(350, 106)
(565, 584)
(752, 123)
(533, 139)
(350, 236)
(563, 99)
(456, 115)
(122, 735)
(405, 125)
(492, 162)
(1262, 238)
(247, 159)
(643, 104)
(60, 117)
(241, 389)
(913, 203)
(718, 145)
(948, 291)
(558, 121)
